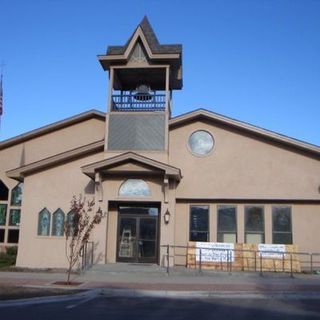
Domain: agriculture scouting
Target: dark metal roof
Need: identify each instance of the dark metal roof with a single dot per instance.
(152, 40)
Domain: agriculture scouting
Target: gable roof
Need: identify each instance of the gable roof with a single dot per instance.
(203, 114)
(91, 114)
(168, 170)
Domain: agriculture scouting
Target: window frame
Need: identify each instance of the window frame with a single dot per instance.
(246, 232)
(236, 222)
(281, 232)
(208, 222)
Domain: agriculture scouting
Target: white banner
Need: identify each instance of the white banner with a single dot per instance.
(215, 252)
(274, 251)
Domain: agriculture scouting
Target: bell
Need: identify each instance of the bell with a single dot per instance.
(142, 93)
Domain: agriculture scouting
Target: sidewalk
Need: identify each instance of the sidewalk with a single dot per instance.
(154, 278)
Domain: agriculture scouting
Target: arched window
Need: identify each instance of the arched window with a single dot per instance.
(58, 223)
(16, 195)
(134, 187)
(44, 222)
(4, 192)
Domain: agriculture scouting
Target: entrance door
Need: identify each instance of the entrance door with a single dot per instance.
(138, 234)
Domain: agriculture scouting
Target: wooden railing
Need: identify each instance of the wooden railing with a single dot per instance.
(141, 102)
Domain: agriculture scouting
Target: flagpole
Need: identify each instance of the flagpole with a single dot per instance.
(1, 99)
(1, 93)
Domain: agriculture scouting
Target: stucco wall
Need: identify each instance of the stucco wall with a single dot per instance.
(51, 189)
(241, 167)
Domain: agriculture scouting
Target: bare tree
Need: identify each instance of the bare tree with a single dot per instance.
(78, 227)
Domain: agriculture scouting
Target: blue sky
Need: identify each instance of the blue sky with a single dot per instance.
(256, 61)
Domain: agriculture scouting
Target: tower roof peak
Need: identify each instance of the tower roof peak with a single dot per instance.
(155, 53)
(151, 39)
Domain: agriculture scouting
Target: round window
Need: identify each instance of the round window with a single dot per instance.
(201, 142)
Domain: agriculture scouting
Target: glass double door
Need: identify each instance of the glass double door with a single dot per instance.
(137, 238)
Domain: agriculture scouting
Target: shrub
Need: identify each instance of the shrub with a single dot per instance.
(12, 251)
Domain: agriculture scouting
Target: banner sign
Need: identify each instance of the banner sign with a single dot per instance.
(274, 251)
(215, 252)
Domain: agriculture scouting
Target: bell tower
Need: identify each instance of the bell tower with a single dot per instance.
(142, 75)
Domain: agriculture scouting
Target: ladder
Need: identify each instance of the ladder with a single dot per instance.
(126, 244)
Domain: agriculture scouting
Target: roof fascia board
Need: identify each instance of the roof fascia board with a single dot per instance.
(146, 66)
(158, 56)
(138, 34)
(19, 173)
(246, 127)
(129, 156)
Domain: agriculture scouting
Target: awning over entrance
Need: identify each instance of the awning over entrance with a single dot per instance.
(131, 162)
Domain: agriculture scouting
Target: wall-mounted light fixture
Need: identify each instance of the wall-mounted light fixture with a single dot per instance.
(166, 217)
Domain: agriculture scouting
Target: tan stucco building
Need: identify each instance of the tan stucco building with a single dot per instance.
(159, 179)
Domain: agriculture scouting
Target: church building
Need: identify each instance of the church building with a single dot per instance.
(159, 180)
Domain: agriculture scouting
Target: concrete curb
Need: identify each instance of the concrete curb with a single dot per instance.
(136, 293)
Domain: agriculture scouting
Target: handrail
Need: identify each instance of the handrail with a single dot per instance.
(289, 257)
(86, 254)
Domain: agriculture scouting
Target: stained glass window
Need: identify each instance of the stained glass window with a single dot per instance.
(14, 217)
(281, 225)
(58, 223)
(1, 235)
(71, 224)
(44, 223)
(3, 213)
(13, 236)
(201, 142)
(4, 191)
(134, 187)
(199, 223)
(16, 195)
(254, 224)
(227, 224)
